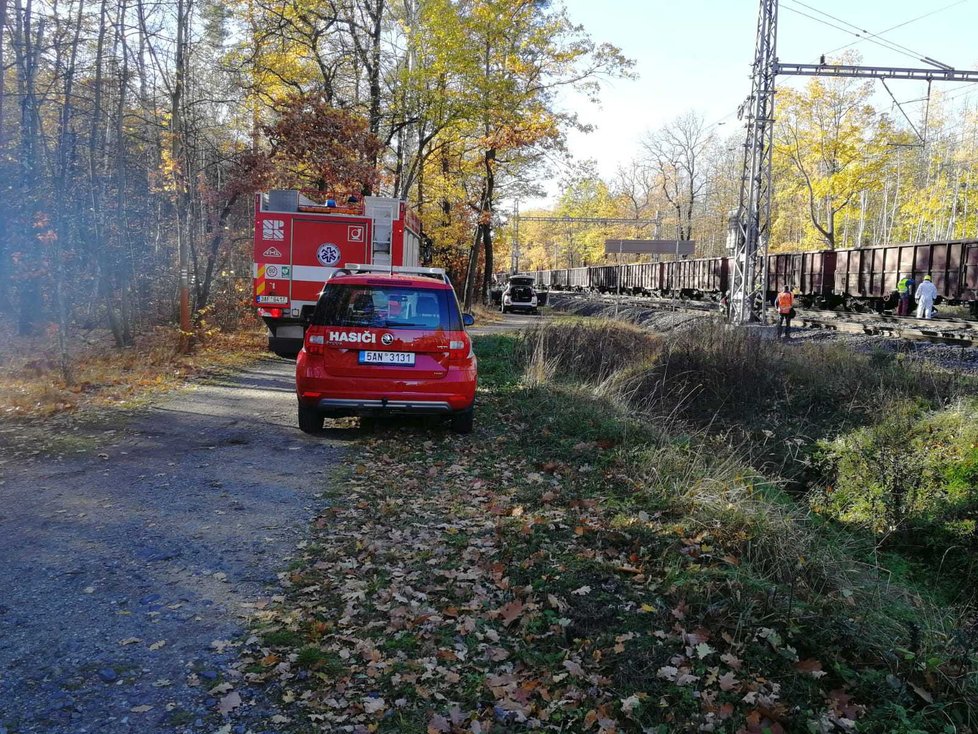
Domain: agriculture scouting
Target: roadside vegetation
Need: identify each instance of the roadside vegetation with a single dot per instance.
(645, 534)
(37, 405)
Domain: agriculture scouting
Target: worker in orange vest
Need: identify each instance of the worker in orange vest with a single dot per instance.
(785, 303)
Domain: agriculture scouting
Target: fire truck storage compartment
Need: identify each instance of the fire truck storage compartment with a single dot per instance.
(301, 241)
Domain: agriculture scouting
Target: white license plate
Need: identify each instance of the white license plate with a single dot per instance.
(273, 299)
(401, 358)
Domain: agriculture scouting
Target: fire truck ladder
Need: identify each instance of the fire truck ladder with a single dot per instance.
(384, 213)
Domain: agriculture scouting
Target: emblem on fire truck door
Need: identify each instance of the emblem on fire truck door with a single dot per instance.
(328, 254)
(273, 229)
(354, 233)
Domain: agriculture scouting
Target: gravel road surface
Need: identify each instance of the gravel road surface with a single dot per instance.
(129, 564)
(507, 322)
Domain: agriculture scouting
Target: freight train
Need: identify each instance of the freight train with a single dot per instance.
(863, 279)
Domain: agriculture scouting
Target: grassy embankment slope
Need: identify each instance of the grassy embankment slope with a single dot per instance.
(696, 533)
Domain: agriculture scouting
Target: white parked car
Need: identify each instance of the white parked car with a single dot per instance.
(520, 294)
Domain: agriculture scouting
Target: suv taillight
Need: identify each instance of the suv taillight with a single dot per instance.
(459, 350)
(315, 340)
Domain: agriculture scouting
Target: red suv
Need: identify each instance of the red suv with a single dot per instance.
(386, 342)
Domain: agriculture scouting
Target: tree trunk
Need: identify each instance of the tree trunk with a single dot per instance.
(488, 264)
(7, 280)
(203, 289)
(178, 161)
(486, 223)
(472, 269)
(65, 227)
(27, 49)
(122, 280)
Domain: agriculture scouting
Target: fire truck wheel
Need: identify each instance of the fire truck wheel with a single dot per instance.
(310, 420)
(462, 422)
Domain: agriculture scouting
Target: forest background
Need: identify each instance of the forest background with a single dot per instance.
(134, 133)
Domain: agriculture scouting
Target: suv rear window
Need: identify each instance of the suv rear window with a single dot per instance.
(387, 307)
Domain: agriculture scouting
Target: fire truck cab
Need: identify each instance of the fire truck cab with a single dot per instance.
(301, 241)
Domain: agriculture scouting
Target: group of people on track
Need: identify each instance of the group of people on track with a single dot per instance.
(925, 293)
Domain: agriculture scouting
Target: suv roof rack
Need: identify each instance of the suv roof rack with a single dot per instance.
(351, 268)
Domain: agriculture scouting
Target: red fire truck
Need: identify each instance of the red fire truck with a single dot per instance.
(300, 242)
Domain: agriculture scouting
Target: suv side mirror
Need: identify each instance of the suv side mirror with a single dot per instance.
(468, 319)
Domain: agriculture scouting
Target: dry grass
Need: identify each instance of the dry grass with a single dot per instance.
(712, 372)
(586, 350)
(32, 385)
(485, 315)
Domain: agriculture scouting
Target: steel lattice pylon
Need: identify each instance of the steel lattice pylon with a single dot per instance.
(748, 287)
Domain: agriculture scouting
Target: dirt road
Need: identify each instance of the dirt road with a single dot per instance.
(129, 563)
(507, 322)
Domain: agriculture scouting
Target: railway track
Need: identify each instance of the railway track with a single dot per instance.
(952, 331)
(939, 331)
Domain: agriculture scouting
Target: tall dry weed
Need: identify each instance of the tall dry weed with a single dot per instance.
(588, 350)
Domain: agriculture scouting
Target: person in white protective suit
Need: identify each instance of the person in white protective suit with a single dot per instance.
(926, 293)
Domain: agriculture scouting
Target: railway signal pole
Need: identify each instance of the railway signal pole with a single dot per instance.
(749, 281)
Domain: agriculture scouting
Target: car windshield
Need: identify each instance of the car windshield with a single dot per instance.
(521, 281)
(387, 307)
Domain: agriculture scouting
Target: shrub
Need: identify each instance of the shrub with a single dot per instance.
(914, 467)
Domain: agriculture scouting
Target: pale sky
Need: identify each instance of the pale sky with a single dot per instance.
(696, 55)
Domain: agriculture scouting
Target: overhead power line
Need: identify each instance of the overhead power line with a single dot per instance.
(869, 35)
(900, 25)
(882, 43)
(752, 221)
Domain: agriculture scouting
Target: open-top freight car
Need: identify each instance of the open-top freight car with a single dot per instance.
(702, 278)
(810, 275)
(866, 279)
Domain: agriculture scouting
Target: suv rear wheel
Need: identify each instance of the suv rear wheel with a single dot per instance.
(310, 419)
(462, 422)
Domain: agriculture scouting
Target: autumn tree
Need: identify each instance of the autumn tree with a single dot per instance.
(313, 144)
(836, 144)
(678, 154)
(522, 52)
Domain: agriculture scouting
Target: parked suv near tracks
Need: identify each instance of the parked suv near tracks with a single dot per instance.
(386, 342)
(520, 294)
